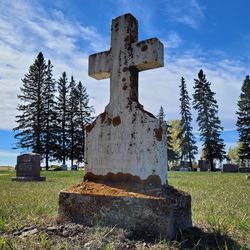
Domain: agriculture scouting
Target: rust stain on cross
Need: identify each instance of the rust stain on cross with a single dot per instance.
(125, 59)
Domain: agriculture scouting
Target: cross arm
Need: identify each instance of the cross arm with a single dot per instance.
(148, 54)
(100, 65)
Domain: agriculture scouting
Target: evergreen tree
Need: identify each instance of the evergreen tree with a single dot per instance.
(208, 120)
(30, 121)
(49, 114)
(187, 144)
(62, 141)
(243, 122)
(73, 104)
(83, 118)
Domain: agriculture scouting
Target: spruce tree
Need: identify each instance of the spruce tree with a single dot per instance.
(83, 118)
(73, 104)
(62, 140)
(208, 120)
(243, 121)
(30, 121)
(187, 140)
(49, 114)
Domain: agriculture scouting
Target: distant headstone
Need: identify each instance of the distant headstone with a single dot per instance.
(204, 165)
(28, 168)
(230, 168)
(185, 164)
(74, 168)
(244, 170)
(64, 167)
(184, 169)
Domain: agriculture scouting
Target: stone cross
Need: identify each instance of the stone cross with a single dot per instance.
(125, 142)
(125, 156)
(125, 59)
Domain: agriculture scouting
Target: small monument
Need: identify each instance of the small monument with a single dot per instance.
(125, 182)
(204, 165)
(28, 168)
(230, 168)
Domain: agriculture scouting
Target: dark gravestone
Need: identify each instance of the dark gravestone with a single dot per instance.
(185, 164)
(64, 167)
(28, 168)
(230, 168)
(244, 170)
(204, 165)
(74, 168)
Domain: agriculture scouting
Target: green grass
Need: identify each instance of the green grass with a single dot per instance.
(32, 202)
(221, 202)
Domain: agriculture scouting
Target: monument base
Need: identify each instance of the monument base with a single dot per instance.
(156, 213)
(21, 178)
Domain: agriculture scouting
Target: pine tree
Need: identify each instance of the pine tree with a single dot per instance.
(83, 118)
(243, 122)
(208, 120)
(73, 104)
(62, 141)
(49, 114)
(30, 121)
(187, 144)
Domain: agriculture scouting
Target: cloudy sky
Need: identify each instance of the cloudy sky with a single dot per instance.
(212, 35)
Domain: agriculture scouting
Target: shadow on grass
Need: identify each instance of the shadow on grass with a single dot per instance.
(192, 238)
(202, 238)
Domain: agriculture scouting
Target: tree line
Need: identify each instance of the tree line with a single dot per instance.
(52, 114)
(209, 124)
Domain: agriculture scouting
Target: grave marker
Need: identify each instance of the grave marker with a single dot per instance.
(125, 182)
(28, 168)
(126, 140)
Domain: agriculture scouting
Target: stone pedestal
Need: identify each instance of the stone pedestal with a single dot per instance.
(28, 168)
(151, 214)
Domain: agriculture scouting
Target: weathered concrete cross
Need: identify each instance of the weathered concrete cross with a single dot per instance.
(125, 59)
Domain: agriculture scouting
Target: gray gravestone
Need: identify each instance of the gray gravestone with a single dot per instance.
(230, 168)
(64, 167)
(74, 168)
(28, 168)
(204, 165)
(244, 170)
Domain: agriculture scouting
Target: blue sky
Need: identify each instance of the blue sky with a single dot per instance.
(212, 35)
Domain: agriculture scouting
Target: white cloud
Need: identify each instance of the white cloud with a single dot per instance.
(165, 85)
(7, 154)
(189, 12)
(173, 41)
(27, 29)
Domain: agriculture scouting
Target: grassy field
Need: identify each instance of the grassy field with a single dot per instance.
(220, 202)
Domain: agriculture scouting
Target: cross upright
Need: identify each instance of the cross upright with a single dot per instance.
(125, 59)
